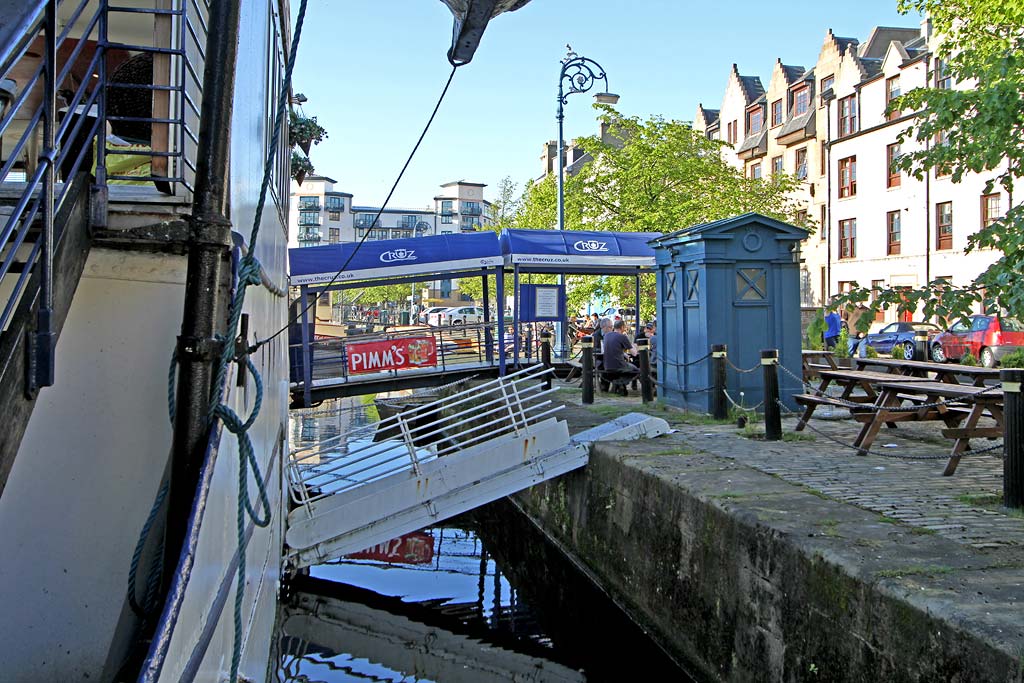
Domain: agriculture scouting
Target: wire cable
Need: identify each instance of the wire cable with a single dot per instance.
(380, 211)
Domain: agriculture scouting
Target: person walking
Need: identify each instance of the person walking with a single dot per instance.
(833, 326)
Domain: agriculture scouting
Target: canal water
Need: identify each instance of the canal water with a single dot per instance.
(482, 598)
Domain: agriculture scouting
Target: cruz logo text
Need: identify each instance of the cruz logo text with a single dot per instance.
(590, 245)
(398, 255)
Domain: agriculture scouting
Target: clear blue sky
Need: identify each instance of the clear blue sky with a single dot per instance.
(373, 69)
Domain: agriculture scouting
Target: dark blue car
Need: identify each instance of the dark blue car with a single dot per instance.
(889, 336)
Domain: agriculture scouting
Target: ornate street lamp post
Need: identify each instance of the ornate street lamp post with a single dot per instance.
(580, 74)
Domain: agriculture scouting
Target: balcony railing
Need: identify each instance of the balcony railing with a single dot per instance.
(309, 220)
(310, 236)
(470, 209)
(310, 206)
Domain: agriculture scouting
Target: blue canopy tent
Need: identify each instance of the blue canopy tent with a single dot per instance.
(387, 262)
(577, 252)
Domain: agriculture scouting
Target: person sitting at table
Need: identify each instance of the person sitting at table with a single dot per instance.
(618, 350)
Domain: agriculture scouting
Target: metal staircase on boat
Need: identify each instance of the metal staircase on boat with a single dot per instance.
(433, 462)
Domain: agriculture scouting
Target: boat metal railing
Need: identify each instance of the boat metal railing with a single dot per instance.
(55, 97)
(419, 434)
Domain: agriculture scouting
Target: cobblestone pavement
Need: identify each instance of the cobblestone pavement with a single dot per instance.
(963, 508)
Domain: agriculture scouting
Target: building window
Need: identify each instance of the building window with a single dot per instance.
(334, 215)
(990, 209)
(822, 166)
(470, 208)
(944, 225)
(847, 116)
(309, 218)
(892, 230)
(942, 79)
(777, 165)
(407, 222)
(751, 284)
(755, 171)
(822, 232)
(877, 285)
(670, 286)
(800, 161)
(801, 218)
(847, 177)
(944, 168)
(801, 101)
(892, 91)
(755, 120)
(892, 154)
(334, 235)
(365, 220)
(335, 203)
(731, 131)
(848, 238)
(776, 113)
(826, 84)
(309, 203)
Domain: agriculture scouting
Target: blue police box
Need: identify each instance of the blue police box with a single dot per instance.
(736, 282)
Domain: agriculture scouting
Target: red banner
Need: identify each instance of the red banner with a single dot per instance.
(394, 354)
(414, 548)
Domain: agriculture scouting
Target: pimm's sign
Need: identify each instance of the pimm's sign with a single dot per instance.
(392, 354)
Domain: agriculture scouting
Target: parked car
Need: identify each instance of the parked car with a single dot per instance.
(457, 315)
(613, 313)
(987, 337)
(426, 313)
(892, 334)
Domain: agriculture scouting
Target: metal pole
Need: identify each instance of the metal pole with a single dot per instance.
(772, 414)
(307, 352)
(636, 308)
(515, 315)
(1013, 438)
(545, 356)
(207, 286)
(646, 386)
(719, 409)
(587, 345)
(500, 289)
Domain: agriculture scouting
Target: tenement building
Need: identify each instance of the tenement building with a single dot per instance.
(828, 126)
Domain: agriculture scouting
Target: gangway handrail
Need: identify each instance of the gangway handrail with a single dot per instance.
(480, 414)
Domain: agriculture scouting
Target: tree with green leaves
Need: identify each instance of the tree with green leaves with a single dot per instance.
(649, 175)
(981, 128)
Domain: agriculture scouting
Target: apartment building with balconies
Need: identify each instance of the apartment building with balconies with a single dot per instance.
(461, 207)
(319, 213)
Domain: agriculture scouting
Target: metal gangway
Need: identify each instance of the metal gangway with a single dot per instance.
(435, 461)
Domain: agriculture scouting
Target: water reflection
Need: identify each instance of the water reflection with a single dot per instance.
(435, 605)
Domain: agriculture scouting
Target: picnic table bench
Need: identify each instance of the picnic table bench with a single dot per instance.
(932, 398)
(849, 380)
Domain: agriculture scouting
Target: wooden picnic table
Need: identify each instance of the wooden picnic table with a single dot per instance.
(944, 372)
(849, 380)
(893, 393)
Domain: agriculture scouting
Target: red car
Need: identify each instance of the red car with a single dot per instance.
(987, 337)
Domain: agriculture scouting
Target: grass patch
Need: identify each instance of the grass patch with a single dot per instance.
(830, 527)
(816, 492)
(756, 433)
(922, 531)
(868, 543)
(888, 520)
(914, 570)
(981, 499)
(730, 496)
(682, 450)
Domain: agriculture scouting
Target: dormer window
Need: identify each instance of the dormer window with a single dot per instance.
(776, 113)
(755, 121)
(892, 91)
(801, 101)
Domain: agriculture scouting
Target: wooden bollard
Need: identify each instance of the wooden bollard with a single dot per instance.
(772, 413)
(719, 408)
(587, 344)
(644, 352)
(1013, 437)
